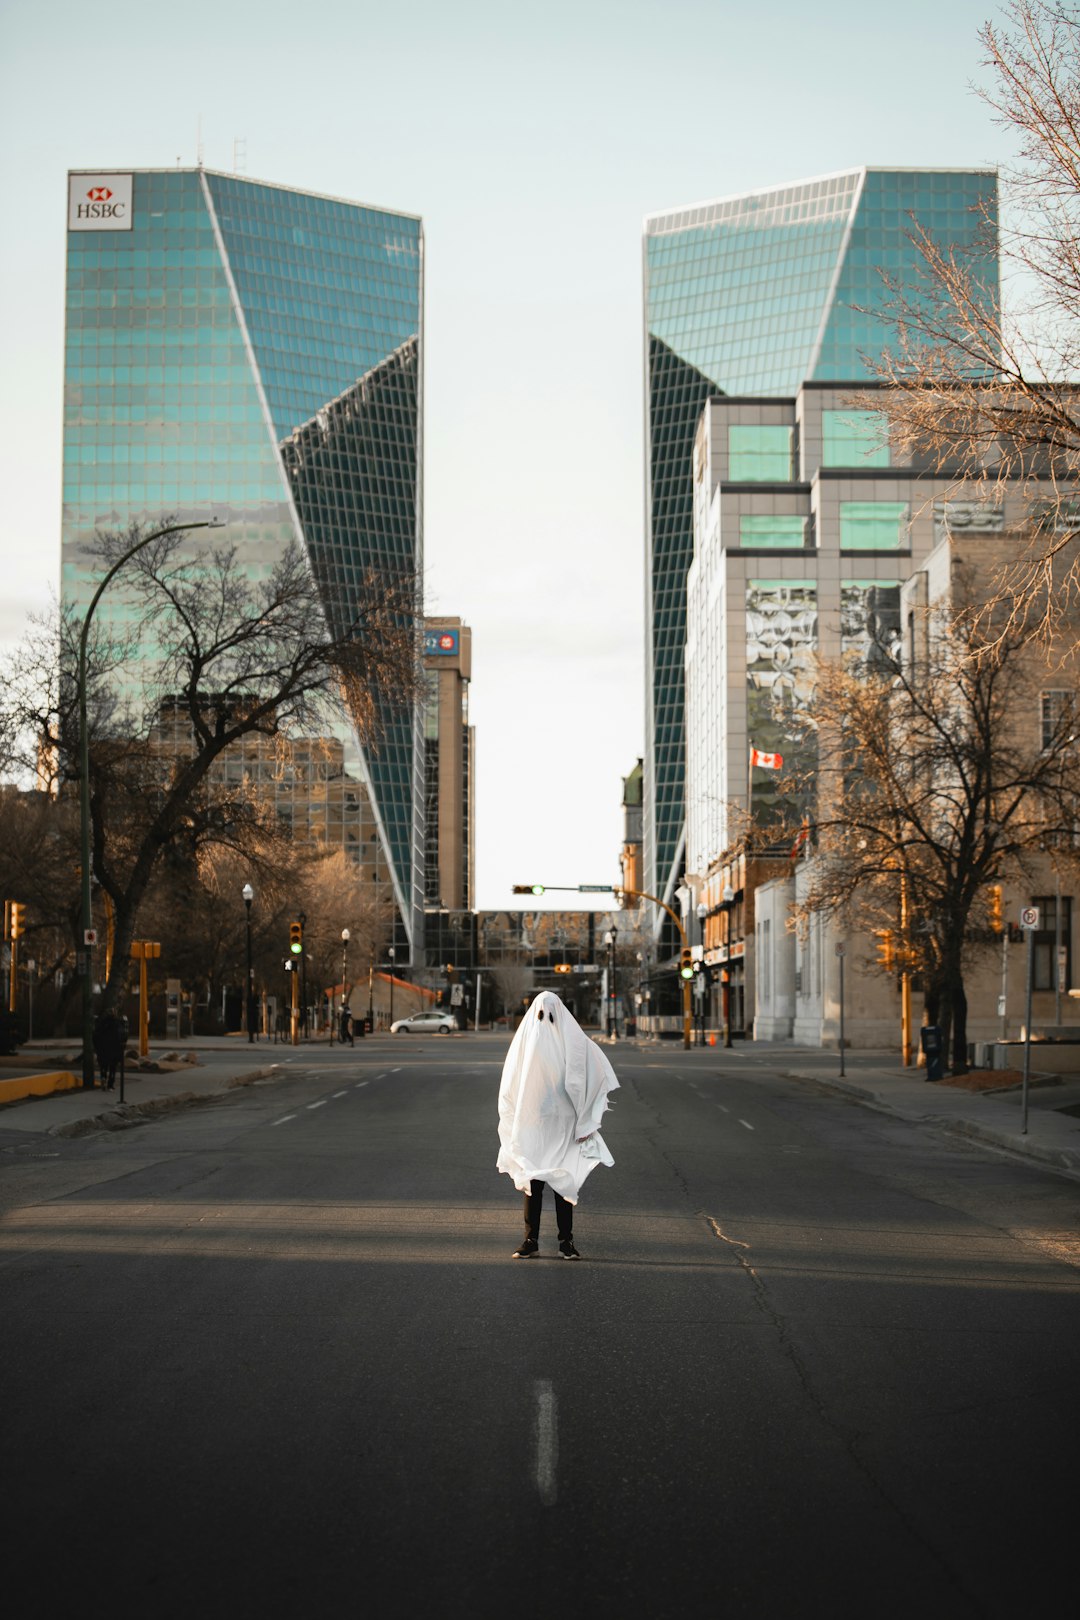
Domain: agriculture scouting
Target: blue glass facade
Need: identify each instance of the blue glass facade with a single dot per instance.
(753, 296)
(253, 353)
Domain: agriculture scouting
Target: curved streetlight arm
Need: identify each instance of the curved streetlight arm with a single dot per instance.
(84, 786)
(639, 894)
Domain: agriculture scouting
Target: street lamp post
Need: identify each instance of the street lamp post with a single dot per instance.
(345, 937)
(390, 954)
(725, 977)
(614, 1020)
(249, 997)
(86, 956)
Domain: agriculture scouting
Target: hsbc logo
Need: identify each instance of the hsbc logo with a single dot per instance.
(441, 643)
(99, 202)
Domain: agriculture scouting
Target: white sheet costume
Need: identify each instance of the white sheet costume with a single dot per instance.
(555, 1088)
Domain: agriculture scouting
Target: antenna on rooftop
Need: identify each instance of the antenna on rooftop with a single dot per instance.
(239, 154)
(199, 142)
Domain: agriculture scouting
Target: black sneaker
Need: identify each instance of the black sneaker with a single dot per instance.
(567, 1250)
(527, 1249)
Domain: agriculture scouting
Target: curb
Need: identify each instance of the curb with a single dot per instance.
(124, 1115)
(37, 1085)
(1021, 1147)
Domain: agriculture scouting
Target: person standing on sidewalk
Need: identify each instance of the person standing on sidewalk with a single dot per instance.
(110, 1037)
(555, 1088)
(345, 1029)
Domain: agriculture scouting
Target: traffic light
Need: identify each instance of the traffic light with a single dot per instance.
(296, 938)
(997, 921)
(528, 888)
(562, 967)
(686, 963)
(18, 919)
(886, 949)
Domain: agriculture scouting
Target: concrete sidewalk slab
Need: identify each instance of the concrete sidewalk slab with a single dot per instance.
(80, 1113)
(993, 1118)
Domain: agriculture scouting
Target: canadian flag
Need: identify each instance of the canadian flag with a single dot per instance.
(768, 762)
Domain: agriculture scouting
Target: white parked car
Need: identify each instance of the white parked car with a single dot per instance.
(425, 1023)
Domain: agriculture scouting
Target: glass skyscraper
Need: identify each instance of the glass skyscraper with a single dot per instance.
(752, 296)
(254, 353)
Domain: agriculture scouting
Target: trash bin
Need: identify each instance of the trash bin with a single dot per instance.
(930, 1035)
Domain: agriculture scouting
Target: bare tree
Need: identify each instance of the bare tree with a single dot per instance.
(332, 897)
(513, 981)
(982, 390)
(931, 787)
(292, 652)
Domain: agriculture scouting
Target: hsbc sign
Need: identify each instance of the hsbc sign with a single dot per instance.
(99, 202)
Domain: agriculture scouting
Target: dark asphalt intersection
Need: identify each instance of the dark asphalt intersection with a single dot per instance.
(272, 1356)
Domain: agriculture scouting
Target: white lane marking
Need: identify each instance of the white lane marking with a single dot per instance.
(547, 1441)
(747, 1123)
(722, 1109)
(283, 1120)
(320, 1104)
(360, 1085)
(341, 1093)
(396, 1071)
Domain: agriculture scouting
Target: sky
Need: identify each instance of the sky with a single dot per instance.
(533, 140)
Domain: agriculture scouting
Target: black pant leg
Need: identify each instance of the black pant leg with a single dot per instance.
(534, 1203)
(564, 1217)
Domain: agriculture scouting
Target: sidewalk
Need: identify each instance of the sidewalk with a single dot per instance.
(992, 1117)
(75, 1112)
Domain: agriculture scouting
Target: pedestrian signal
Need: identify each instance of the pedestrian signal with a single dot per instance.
(296, 938)
(686, 963)
(886, 949)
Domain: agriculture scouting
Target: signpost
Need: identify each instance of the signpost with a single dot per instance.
(1029, 922)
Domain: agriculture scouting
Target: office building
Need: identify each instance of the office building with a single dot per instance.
(449, 798)
(449, 766)
(838, 560)
(244, 351)
(752, 297)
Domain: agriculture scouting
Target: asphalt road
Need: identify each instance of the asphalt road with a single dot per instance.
(272, 1357)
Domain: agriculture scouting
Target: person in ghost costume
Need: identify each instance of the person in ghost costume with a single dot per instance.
(555, 1088)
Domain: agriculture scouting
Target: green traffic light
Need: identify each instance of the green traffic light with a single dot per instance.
(538, 888)
(687, 972)
(296, 947)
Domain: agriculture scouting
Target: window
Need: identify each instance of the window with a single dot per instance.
(772, 533)
(759, 455)
(1045, 942)
(853, 439)
(873, 525)
(1056, 711)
